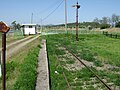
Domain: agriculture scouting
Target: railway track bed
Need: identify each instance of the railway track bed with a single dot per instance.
(78, 76)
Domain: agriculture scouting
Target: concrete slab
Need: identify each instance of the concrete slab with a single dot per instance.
(43, 72)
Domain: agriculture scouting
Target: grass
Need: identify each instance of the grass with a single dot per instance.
(95, 48)
(17, 65)
(104, 48)
(27, 78)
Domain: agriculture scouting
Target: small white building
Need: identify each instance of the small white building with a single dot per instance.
(29, 29)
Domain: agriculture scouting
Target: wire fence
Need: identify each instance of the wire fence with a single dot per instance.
(71, 31)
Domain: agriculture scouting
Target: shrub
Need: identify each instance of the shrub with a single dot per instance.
(98, 63)
(89, 27)
(104, 26)
(118, 24)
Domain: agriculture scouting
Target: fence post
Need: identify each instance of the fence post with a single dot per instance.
(103, 32)
(111, 35)
(116, 36)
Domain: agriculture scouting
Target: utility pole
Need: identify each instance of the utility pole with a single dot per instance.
(4, 29)
(41, 26)
(32, 18)
(65, 16)
(77, 7)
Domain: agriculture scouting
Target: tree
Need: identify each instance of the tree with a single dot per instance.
(15, 26)
(18, 26)
(104, 26)
(115, 18)
(104, 20)
(118, 24)
(96, 20)
(109, 20)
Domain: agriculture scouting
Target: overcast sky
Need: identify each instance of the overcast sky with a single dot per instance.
(21, 10)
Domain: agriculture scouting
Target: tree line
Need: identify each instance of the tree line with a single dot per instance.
(105, 22)
(113, 21)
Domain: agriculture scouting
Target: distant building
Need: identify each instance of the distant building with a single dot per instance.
(29, 29)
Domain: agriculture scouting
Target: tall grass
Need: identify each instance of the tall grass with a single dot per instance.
(21, 67)
(95, 48)
(28, 73)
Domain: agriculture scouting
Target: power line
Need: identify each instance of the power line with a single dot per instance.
(52, 11)
(49, 7)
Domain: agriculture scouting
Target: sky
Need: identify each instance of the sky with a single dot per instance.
(44, 10)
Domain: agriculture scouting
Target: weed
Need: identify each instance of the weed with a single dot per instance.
(87, 55)
(70, 61)
(26, 80)
(98, 63)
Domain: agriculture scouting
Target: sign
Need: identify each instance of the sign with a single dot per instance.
(4, 28)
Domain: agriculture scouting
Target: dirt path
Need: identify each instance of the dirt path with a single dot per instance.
(16, 46)
(18, 41)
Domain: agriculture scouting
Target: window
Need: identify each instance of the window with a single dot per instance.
(30, 26)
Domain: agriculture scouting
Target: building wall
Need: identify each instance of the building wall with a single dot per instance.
(28, 30)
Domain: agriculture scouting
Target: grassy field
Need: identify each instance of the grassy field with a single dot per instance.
(103, 52)
(21, 68)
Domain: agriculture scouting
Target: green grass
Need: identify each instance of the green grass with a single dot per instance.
(95, 48)
(104, 48)
(21, 68)
(57, 80)
(27, 78)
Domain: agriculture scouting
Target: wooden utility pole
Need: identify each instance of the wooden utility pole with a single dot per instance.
(32, 18)
(65, 16)
(4, 29)
(77, 7)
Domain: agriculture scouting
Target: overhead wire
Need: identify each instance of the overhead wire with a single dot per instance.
(49, 7)
(53, 11)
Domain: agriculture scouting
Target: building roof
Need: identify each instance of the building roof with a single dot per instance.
(28, 24)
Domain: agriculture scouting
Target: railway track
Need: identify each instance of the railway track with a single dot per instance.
(80, 61)
(77, 58)
(65, 77)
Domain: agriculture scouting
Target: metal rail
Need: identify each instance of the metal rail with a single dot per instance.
(89, 69)
(68, 84)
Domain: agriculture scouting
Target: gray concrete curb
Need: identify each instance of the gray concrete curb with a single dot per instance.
(43, 71)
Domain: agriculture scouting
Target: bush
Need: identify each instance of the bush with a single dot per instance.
(89, 27)
(118, 24)
(104, 26)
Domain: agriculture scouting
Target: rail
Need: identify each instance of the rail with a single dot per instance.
(89, 69)
(65, 77)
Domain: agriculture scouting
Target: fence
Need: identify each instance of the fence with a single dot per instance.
(72, 31)
(111, 35)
